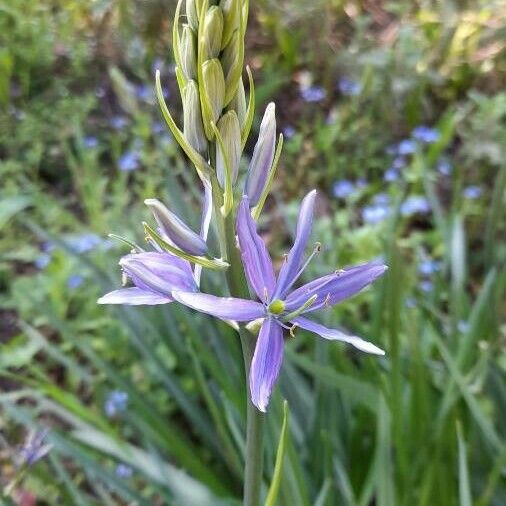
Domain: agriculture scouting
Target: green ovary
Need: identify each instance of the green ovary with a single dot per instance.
(276, 307)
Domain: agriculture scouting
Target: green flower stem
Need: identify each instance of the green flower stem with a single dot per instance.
(254, 432)
(254, 418)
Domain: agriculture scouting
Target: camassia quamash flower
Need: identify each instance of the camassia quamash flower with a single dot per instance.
(279, 307)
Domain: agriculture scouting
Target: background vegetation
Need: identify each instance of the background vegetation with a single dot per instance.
(133, 397)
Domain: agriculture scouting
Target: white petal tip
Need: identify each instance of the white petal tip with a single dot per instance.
(260, 406)
(370, 348)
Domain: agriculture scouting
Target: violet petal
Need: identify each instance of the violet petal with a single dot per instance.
(134, 297)
(266, 363)
(255, 257)
(337, 335)
(288, 273)
(227, 308)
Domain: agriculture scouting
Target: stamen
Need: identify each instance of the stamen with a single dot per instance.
(285, 258)
(286, 327)
(301, 309)
(317, 248)
(266, 294)
(327, 300)
(339, 272)
(292, 329)
(124, 278)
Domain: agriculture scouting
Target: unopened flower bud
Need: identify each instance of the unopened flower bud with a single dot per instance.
(192, 118)
(175, 230)
(238, 103)
(213, 30)
(192, 8)
(230, 57)
(230, 132)
(214, 87)
(231, 12)
(188, 53)
(262, 158)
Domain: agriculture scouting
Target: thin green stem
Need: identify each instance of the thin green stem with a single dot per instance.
(254, 418)
(254, 433)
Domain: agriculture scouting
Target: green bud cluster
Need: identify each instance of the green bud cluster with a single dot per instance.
(208, 44)
(210, 53)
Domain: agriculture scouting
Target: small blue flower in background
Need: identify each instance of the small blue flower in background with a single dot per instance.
(425, 134)
(144, 92)
(406, 147)
(123, 471)
(348, 86)
(399, 163)
(343, 189)
(75, 281)
(472, 192)
(84, 242)
(375, 214)
(462, 326)
(119, 122)
(116, 402)
(42, 261)
(392, 149)
(381, 199)
(362, 182)
(158, 127)
(428, 267)
(391, 175)
(415, 204)
(313, 94)
(444, 167)
(288, 131)
(129, 161)
(90, 142)
(426, 286)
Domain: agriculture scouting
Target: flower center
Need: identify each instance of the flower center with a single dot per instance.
(276, 307)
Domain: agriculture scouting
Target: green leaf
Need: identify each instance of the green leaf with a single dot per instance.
(11, 206)
(278, 468)
(465, 498)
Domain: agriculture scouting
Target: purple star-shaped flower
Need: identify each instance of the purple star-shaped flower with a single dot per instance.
(279, 306)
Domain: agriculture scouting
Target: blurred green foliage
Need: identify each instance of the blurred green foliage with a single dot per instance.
(81, 147)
